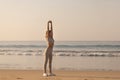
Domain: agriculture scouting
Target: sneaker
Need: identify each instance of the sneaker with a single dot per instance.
(51, 74)
(45, 74)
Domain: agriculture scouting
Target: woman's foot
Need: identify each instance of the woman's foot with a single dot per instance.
(51, 74)
(45, 74)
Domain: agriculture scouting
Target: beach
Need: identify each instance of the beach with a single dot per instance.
(73, 39)
(60, 75)
(71, 61)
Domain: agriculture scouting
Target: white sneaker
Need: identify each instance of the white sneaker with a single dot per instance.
(45, 74)
(51, 74)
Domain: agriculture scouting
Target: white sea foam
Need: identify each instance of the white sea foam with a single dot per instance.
(66, 53)
(87, 48)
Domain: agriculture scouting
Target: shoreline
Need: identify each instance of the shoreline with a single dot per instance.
(61, 75)
(61, 63)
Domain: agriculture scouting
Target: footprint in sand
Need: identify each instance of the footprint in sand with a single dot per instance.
(19, 78)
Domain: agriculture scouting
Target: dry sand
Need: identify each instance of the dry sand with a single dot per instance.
(61, 75)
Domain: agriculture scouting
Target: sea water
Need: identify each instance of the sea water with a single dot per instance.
(67, 55)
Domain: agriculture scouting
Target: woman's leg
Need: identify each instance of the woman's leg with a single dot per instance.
(50, 66)
(46, 60)
(50, 63)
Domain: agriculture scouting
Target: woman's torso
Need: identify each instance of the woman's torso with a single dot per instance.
(50, 41)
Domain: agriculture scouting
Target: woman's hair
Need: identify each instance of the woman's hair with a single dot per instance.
(48, 33)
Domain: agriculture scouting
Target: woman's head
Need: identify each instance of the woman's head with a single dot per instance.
(49, 32)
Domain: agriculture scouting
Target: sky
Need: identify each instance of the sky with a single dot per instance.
(73, 20)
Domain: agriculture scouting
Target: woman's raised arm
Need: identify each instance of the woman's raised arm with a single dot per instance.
(51, 26)
(48, 26)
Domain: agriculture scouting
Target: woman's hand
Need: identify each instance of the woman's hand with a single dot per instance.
(49, 21)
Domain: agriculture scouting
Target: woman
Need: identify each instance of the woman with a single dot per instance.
(49, 50)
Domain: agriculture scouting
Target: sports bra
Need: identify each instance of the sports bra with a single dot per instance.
(50, 40)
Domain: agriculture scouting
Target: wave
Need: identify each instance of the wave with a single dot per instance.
(88, 45)
(88, 53)
(65, 53)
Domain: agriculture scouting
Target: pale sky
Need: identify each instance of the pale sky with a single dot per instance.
(73, 20)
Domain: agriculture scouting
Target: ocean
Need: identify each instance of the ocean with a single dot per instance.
(68, 55)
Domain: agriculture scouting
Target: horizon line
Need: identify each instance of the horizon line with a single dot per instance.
(58, 40)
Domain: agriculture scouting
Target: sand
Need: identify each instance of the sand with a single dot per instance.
(61, 75)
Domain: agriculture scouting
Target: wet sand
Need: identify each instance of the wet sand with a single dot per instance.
(60, 75)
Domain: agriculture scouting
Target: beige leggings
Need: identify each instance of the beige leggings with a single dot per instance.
(48, 57)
